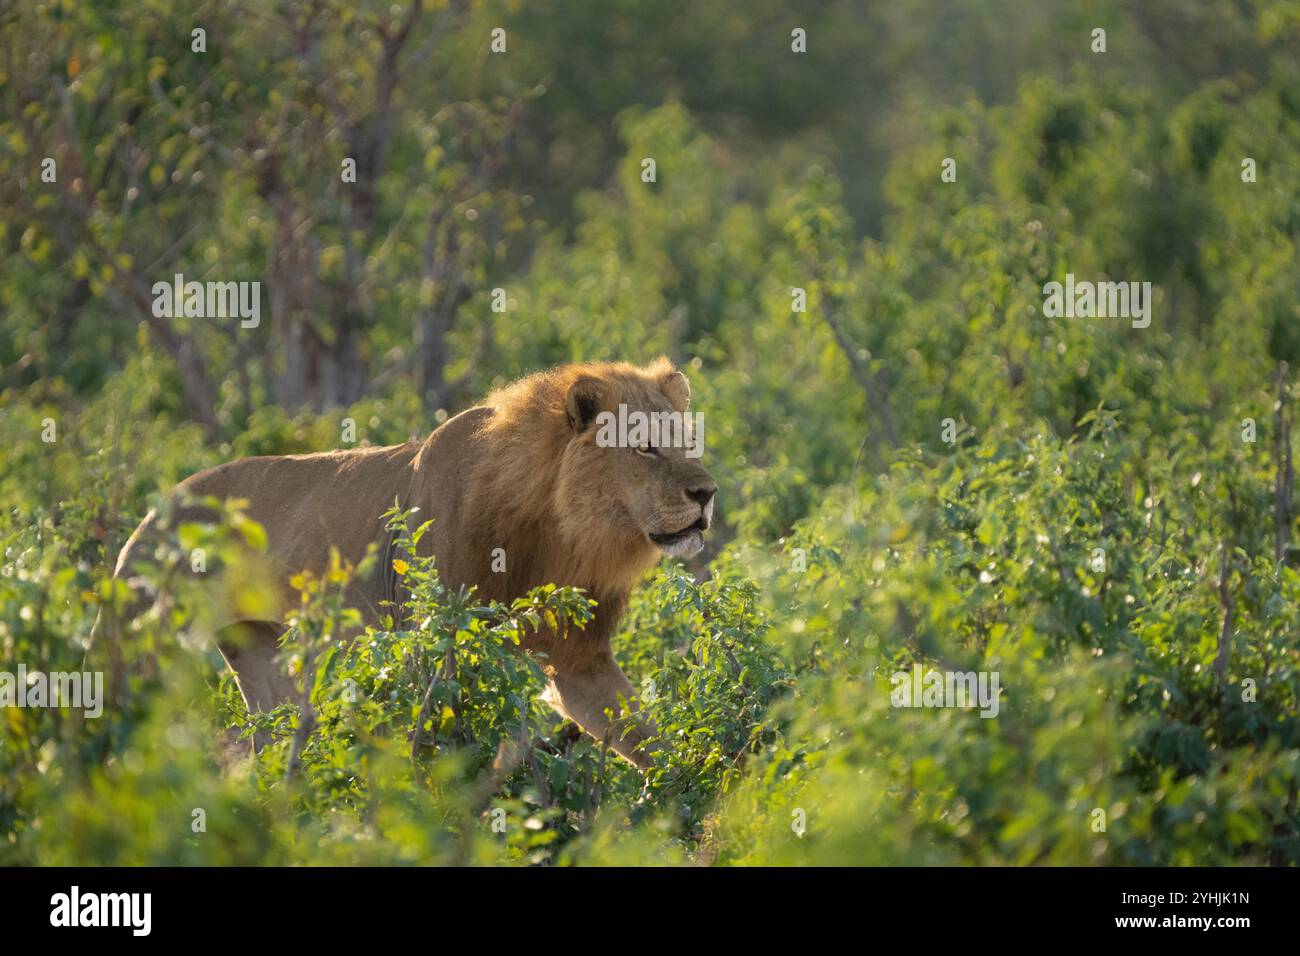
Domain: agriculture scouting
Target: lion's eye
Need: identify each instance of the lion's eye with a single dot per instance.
(649, 451)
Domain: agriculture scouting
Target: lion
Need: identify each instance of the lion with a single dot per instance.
(525, 471)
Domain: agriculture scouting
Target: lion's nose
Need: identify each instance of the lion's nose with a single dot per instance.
(702, 493)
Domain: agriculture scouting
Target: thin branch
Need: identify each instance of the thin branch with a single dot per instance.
(1229, 602)
(1285, 476)
(873, 384)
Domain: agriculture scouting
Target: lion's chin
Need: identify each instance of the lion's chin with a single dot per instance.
(684, 544)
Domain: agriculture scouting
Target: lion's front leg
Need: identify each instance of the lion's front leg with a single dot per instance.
(601, 701)
(252, 651)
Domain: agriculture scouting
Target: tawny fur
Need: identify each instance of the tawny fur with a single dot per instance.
(521, 472)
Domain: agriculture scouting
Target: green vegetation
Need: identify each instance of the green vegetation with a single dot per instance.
(920, 467)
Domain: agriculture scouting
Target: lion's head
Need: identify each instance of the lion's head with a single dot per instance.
(589, 472)
(631, 465)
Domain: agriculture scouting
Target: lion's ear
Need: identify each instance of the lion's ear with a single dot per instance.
(586, 398)
(677, 389)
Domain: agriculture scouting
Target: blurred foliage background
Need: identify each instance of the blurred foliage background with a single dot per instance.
(1110, 527)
